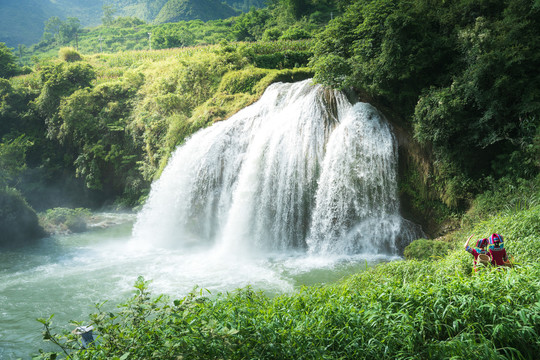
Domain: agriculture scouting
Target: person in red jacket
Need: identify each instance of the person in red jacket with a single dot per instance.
(481, 245)
(497, 251)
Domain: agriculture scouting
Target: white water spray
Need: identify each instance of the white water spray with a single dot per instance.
(300, 169)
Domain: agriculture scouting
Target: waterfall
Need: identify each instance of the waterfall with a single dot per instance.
(302, 168)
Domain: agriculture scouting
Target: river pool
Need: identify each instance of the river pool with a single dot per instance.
(66, 275)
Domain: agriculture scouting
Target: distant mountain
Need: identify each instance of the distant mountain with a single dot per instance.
(145, 10)
(245, 5)
(22, 21)
(178, 10)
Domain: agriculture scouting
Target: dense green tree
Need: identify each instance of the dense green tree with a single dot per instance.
(463, 72)
(297, 8)
(251, 26)
(92, 123)
(12, 103)
(8, 63)
(52, 28)
(58, 81)
(108, 14)
(172, 36)
(62, 32)
(12, 159)
(69, 29)
(491, 108)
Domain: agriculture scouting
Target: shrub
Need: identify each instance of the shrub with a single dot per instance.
(242, 81)
(295, 33)
(18, 221)
(65, 220)
(69, 54)
(271, 34)
(282, 60)
(505, 195)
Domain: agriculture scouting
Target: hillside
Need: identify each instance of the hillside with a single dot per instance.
(179, 10)
(22, 21)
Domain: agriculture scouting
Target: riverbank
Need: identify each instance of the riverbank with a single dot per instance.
(404, 309)
(67, 274)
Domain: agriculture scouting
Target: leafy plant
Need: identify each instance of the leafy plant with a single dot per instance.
(69, 54)
(8, 63)
(62, 220)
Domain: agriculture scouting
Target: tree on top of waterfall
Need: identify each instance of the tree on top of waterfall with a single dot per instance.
(62, 32)
(464, 74)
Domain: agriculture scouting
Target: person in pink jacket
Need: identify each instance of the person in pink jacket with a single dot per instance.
(481, 245)
(497, 251)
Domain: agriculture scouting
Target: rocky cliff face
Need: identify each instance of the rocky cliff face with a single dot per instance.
(417, 191)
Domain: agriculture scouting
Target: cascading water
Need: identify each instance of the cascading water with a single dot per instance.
(302, 168)
(302, 175)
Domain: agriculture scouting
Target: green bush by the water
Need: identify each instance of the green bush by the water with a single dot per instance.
(62, 220)
(400, 310)
(18, 221)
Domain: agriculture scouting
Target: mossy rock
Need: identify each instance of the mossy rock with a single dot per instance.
(19, 223)
(65, 220)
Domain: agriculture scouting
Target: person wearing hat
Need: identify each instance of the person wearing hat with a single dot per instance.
(497, 251)
(480, 254)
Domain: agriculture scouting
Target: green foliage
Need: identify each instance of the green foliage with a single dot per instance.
(424, 249)
(69, 54)
(403, 309)
(8, 63)
(12, 103)
(505, 195)
(242, 81)
(172, 36)
(60, 80)
(282, 54)
(12, 158)
(65, 220)
(251, 26)
(462, 73)
(93, 123)
(271, 34)
(62, 32)
(295, 33)
(178, 10)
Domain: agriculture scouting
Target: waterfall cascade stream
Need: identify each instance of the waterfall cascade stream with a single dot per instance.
(302, 168)
(296, 189)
